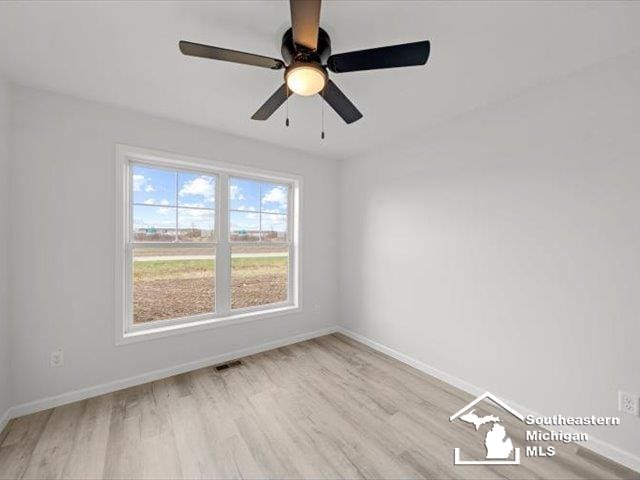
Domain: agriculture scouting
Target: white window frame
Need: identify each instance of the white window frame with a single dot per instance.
(125, 330)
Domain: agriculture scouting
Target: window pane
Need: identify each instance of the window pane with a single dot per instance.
(153, 186)
(274, 197)
(172, 283)
(154, 224)
(244, 227)
(259, 275)
(244, 195)
(195, 225)
(195, 190)
(274, 227)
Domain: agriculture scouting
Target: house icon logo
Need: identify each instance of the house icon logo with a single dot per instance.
(498, 445)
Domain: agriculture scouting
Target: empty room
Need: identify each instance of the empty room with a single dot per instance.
(320, 239)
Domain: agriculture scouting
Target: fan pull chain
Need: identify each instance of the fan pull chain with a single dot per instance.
(287, 120)
(322, 100)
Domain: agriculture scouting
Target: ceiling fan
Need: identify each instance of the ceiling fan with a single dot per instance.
(306, 49)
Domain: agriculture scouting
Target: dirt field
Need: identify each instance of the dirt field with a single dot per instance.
(177, 288)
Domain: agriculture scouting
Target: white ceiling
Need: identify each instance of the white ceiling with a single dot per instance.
(126, 53)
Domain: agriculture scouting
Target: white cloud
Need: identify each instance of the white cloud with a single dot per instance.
(198, 186)
(186, 215)
(247, 222)
(276, 195)
(235, 193)
(138, 182)
(193, 205)
(165, 211)
(156, 223)
(274, 222)
(141, 182)
(152, 201)
(247, 209)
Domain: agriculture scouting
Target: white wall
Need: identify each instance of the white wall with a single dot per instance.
(504, 247)
(5, 391)
(62, 256)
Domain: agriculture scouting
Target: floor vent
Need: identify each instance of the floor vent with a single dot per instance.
(225, 366)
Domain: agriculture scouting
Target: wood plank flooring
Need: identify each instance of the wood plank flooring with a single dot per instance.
(324, 408)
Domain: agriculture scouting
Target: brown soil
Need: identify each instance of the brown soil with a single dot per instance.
(172, 298)
(262, 289)
(157, 299)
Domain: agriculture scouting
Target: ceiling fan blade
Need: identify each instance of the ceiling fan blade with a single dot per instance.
(226, 55)
(340, 103)
(272, 104)
(305, 22)
(405, 55)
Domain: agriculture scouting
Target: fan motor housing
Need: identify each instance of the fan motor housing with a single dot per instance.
(291, 53)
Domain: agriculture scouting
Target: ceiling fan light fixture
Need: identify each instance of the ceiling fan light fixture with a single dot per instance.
(306, 79)
(306, 49)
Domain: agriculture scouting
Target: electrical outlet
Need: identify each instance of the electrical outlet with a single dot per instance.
(629, 403)
(57, 358)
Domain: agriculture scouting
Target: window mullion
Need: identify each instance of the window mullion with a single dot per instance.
(292, 280)
(223, 251)
(177, 186)
(260, 212)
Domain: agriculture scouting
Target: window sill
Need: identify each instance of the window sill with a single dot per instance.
(142, 335)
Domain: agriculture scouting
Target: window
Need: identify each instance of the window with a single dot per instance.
(202, 244)
(260, 249)
(173, 243)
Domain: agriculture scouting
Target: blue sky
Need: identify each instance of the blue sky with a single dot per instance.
(248, 198)
(157, 193)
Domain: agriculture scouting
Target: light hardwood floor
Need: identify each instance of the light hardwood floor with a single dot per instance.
(325, 408)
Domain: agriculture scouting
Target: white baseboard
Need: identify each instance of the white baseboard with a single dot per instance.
(89, 392)
(596, 445)
(4, 419)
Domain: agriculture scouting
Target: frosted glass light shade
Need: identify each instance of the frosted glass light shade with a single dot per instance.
(306, 80)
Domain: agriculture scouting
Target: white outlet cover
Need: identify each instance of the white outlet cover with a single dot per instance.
(57, 358)
(629, 403)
